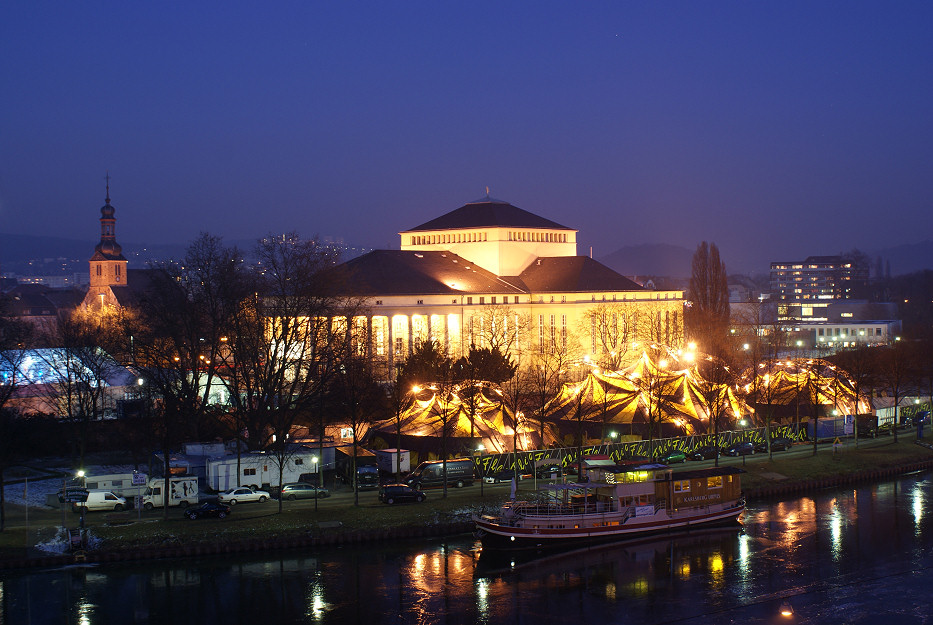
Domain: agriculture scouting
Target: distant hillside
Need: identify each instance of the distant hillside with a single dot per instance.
(653, 259)
(906, 258)
(27, 254)
(18, 247)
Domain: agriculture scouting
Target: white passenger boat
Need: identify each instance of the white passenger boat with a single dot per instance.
(615, 502)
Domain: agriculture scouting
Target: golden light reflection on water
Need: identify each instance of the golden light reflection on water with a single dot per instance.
(835, 529)
(797, 520)
(482, 599)
(918, 504)
(683, 570)
(85, 611)
(640, 586)
(429, 573)
(716, 569)
(317, 606)
(611, 591)
(744, 553)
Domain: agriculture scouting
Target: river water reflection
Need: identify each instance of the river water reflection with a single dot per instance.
(861, 555)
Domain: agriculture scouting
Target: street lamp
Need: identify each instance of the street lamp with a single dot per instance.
(482, 478)
(317, 469)
(80, 476)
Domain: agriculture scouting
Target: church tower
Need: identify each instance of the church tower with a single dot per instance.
(107, 265)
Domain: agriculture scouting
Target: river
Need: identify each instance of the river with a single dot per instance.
(854, 555)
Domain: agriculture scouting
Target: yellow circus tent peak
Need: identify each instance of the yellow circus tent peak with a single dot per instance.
(625, 397)
(806, 381)
(492, 420)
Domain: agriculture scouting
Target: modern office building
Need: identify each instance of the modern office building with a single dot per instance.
(817, 279)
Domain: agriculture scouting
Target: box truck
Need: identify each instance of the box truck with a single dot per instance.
(367, 473)
(386, 460)
(830, 428)
(182, 491)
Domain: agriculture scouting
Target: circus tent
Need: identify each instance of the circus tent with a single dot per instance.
(625, 397)
(805, 382)
(493, 419)
(681, 395)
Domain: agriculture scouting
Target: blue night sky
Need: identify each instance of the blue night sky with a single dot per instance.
(775, 129)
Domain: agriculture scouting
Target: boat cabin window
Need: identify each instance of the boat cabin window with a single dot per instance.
(629, 477)
(681, 486)
(714, 482)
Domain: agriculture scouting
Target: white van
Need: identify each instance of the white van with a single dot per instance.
(101, 500)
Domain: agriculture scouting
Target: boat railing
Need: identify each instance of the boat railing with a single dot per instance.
(552, 509)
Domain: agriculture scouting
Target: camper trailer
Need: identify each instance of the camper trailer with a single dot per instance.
(262, 470)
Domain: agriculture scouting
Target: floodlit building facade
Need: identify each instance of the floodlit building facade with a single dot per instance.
(492, 274)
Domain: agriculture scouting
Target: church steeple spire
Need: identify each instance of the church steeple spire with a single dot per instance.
(108, 265)
(108, 245)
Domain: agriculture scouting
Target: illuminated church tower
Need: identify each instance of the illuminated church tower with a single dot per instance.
(107, 265)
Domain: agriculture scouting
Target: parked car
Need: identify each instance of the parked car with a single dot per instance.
(242, 495)
(777, 444)
(672, 455)
(745, 448)
(706, 452)
(505, 475)
(208, 509)
(549, 471)
(300, 490)
(399, 493)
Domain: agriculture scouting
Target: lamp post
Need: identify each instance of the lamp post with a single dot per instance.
(317, 469)
(80, 476)
(482, 478)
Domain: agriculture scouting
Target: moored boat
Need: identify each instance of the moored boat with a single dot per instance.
(615, 502)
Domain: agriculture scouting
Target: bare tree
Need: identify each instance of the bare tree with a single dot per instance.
(611, 330)
(15, 336)
(497, 327)
(715, 375)
(656, 386)
(399, 399)
(544, 376)
(82, 369)
(357, 397)
(432, 371)
(707, 317)
(859, 365)
(897, 373)
(290, 336)
(178, 346)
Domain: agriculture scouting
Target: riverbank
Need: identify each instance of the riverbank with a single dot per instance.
(261, 528)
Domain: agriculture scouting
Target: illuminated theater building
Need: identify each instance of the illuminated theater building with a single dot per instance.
(489, 273)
